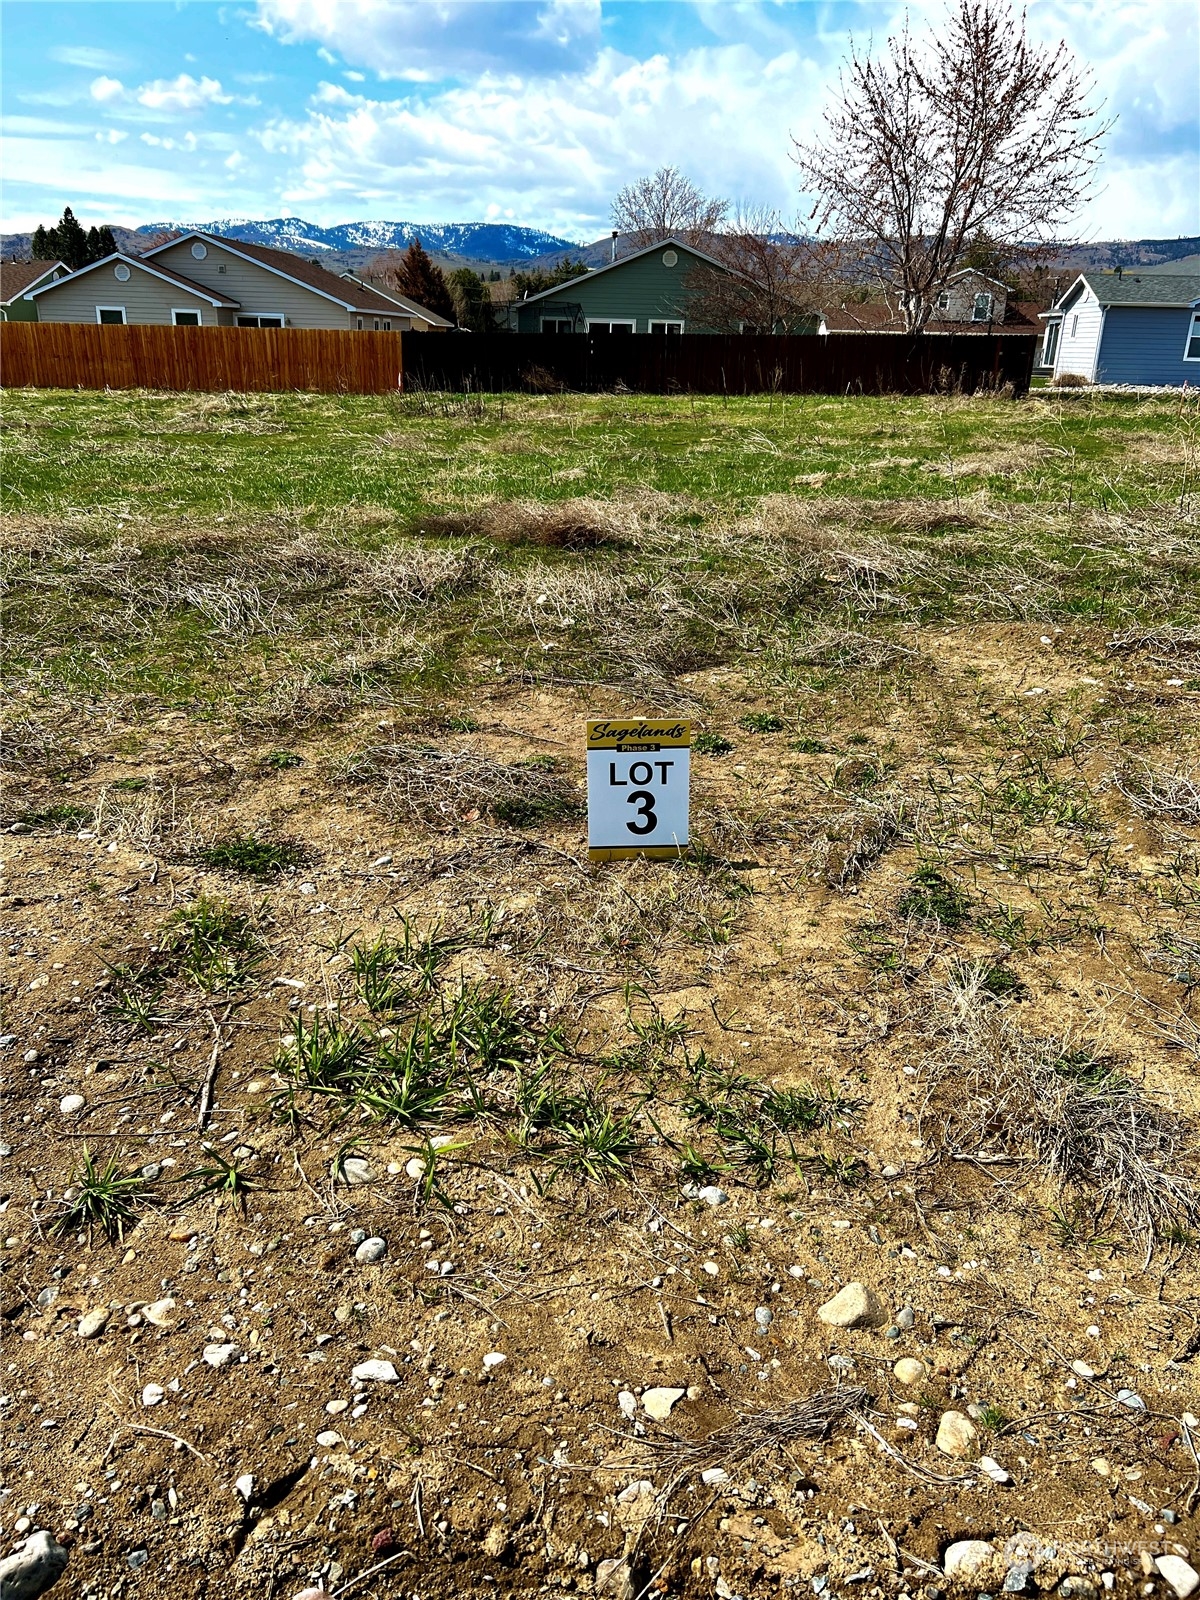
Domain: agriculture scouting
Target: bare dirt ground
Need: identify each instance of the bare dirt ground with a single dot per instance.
(416, 1086)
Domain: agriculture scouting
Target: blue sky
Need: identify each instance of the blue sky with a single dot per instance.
(532, 111)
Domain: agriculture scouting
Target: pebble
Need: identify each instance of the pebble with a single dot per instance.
(328, 1439)
(994, 1470)
(138, 1558)
(245, 1486)
(375, 1372)
(627, 1404)
(909, 1370)
(712, 1196)
(153, 1394)
(614, 1580)
(493, 1359)
(905, 1318)
(713, 1475)
(1182, 1577)
(356, 1171)
(34, 1568)
(336, 1407)
(852, 1307)
(371, 1250)
(890, 1171)
(93, 1323)
(219, 1355)
(956, 1435)
(414, 1168)
(161, 1313)
(764, 1316)
(1082, 1370)
(152, 1171)
(1130, 1400)
(658, 1403)
(966, 1557)
(71, 1103)
(634, 1491)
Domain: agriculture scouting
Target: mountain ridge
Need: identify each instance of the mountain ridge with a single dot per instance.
(487, 241)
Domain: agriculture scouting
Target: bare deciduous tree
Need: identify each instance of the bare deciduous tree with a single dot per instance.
(980, 129)
(667, 203)
(772, 282)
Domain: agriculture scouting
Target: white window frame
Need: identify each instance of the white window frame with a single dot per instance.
(1074, 324)
(943, 301)
(279, 321)
(124, 319)
(665, 325)
(570, 321)
(186, 311)
(614, 322)
(988, 308)
(1051, 340)
(1192, 333)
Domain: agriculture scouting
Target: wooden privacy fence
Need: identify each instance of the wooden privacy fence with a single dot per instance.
(81, 355)
(701, 363)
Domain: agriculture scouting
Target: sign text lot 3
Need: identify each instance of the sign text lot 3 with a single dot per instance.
(639, 779)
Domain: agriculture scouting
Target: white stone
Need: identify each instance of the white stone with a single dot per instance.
(855, 1306)
(657, 1403)
(994, 1470)
(627, 1403)
(1182, 1577)
(909, 1370)
(355, 1171)
(614, 1581)
(635, 1491)
(712, 1195)
(713, 1475)
(415, 1168)
(153, 1394)
(371, 1250)
(161, 1313)
(956, 1435)
(375, 1372)
(34, 1568)
(328, 1439)
(336, 1407)
(967, 1557)
(494, 1358)
(71, 1103)
(245, 1486)
(219, 1355)
(93, 1323)
(1082, 1370)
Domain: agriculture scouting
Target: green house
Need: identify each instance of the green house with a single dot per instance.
(649, 291)
(17, 278)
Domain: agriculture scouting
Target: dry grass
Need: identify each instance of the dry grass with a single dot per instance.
(1170, 794)
(444, 788)
(850, 846)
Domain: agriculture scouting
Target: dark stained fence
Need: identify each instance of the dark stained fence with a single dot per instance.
(77, 355)
(838, 363)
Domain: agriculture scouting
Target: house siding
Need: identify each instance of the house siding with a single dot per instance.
(1145, 344)
(146, 299)
(1077, 352)
(960, 292)
(256, 290)
(23, 310)
(642, 290)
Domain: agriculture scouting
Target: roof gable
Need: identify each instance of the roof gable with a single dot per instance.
(17, 278)
(139, 264)
(669, 242)
(1163, 290)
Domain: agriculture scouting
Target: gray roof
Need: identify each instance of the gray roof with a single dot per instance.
(1140, 288)
(668, 240)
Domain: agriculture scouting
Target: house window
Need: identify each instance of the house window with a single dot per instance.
(610, 327)
(1074, 324)
(260, 322)
(1050, 343)
(387, 327)
(981, 311)
(558, 325)
(186, 319)
(1191, 351)
(376, 324)
(200, 251)
(669, 258)
(121, 272)
(360, 323)
(943, 303)
(107, 314)
(666, 327)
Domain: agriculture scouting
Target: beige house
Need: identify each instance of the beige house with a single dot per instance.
(203, 280)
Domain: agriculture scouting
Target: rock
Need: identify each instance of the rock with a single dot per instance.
(711, 1476)
(219, 1355)
(1100, 1467)
(70, 1103)
(905, 1318)
(889, 1171)
(634, 1491)
(1082, 1370)
(152, 1171)
(34, 1568)
(712, 1196)
(908, 1370)
(245, 1486)
(414, 1168)
(355, 1171)
(375, 1372)
(764, 1316)
(493, 1359)
(657, 1403)
(1132, 1401)
(1017, 1577)
(328, 1439)
(93, 1323)
(614, 1581)
(161, 1313)
(627, 1403)
(371, 1250)
(966, 1557)
(994, 1470)
(855, 1306)
(334, 1408)
(1075, 1587)
(153, 1394)
(956, 1435)
(1182, 1577)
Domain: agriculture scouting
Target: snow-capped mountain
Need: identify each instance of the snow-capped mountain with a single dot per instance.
(485, 241)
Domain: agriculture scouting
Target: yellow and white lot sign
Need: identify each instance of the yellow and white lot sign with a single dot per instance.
(639, 780)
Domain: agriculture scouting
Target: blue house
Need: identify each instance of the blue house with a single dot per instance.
(1126, 327)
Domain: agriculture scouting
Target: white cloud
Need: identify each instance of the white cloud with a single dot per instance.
(183, 93)
(107, 89)
(73, 55)
(111, 135)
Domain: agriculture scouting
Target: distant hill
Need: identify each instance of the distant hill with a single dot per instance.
(482, 241)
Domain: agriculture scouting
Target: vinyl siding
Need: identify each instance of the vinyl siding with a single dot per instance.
(961, 294)
(1077, 353)
(1145, 344)
(643, 290)
(146, 299)
(256, 290)
(21, 310)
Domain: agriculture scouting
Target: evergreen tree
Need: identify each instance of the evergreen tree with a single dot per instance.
(108, 244)
(43, 244)
(422, 281)
(94, 251)
(71, 243)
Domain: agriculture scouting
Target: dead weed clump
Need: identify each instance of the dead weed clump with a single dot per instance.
(144, 819)
(444, 788)
(850, 846)
(413, 575)
(580, 524)
(1161, 793)
(1164, 645)
(1064, 1104)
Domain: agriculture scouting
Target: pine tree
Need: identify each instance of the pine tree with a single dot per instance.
(422, 281)
(71, 243)
(108, 243)
(42, 247)
(94, 252)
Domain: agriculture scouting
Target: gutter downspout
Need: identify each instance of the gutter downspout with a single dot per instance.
(1099, 343)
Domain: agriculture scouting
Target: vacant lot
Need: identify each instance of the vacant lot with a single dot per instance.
(325, 1046)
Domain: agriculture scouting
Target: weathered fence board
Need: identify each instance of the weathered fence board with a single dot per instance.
(839, 363)
(79, 355)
